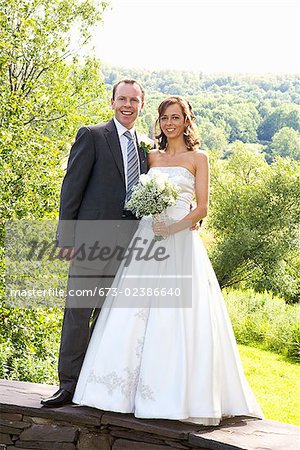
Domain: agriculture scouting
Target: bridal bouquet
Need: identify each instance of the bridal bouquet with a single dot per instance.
(153, 194)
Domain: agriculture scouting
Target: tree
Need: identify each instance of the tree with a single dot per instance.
(255, 221)
(285, 115)
(212, 137)
(47, 90)
(286, 142)
(241, 120)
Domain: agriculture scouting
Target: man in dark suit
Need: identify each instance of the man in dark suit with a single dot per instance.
(104, 164)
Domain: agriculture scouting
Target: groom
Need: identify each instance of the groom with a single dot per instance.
(104, 164)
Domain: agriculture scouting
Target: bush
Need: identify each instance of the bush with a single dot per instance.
(29, 344)
(254, 219)
(265, 321)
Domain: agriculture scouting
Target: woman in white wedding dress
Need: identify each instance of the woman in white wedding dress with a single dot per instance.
(161, 355)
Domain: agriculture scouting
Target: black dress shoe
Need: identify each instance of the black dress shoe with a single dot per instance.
(60, 398)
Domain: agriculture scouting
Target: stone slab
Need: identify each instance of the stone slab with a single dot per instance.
(175, 445)
(23, 448)
(122, 444)
(5, 439)
(249, 434)
(136, 436)
(13, 423)
(14, 417)
(25, 396)
(45, 445)
(37, 420)
(166, 428)
(49, 433)
(93, 441)
(20, 393)
(10, 430)
(21, 398)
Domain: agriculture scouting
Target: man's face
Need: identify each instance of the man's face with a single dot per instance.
(127, 104)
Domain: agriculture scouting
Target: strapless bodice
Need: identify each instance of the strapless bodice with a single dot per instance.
(186, 181)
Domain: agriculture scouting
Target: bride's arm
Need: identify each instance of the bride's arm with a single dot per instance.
(202, 196)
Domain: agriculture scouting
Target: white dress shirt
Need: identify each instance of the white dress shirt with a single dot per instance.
(124, 141)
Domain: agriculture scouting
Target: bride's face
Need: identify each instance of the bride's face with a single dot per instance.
(172, 121)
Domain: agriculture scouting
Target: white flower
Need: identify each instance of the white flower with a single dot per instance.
(143, 179)
(153, 194)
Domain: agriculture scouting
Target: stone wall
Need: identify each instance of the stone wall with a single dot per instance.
(25, 424)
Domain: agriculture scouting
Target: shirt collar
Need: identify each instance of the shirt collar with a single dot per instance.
(121, 129)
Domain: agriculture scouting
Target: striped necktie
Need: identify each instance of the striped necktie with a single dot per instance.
(132, 164)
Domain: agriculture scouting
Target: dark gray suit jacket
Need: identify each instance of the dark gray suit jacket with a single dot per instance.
(94, 185)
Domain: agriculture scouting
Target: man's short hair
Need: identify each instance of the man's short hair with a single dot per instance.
(128, 82)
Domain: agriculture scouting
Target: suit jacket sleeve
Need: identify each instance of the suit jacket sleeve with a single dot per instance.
(80, 165)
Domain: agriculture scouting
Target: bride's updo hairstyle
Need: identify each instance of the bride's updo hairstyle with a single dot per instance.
(190, 136)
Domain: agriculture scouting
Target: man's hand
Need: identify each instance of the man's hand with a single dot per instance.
(195, 227)
(67, 253)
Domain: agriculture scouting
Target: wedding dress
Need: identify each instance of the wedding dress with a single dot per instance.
(159, 361)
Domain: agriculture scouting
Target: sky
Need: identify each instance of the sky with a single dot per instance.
(232, 36)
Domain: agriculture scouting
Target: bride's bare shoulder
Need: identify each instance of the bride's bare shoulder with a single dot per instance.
(200, 157)
(198, 151)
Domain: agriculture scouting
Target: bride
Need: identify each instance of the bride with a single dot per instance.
(170, 358)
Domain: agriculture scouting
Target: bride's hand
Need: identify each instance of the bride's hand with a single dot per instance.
(160, 229)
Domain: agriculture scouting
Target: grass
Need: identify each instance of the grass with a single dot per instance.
(275, 383)
(265, 321)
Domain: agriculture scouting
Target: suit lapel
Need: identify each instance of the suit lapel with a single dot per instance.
(115, 147)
